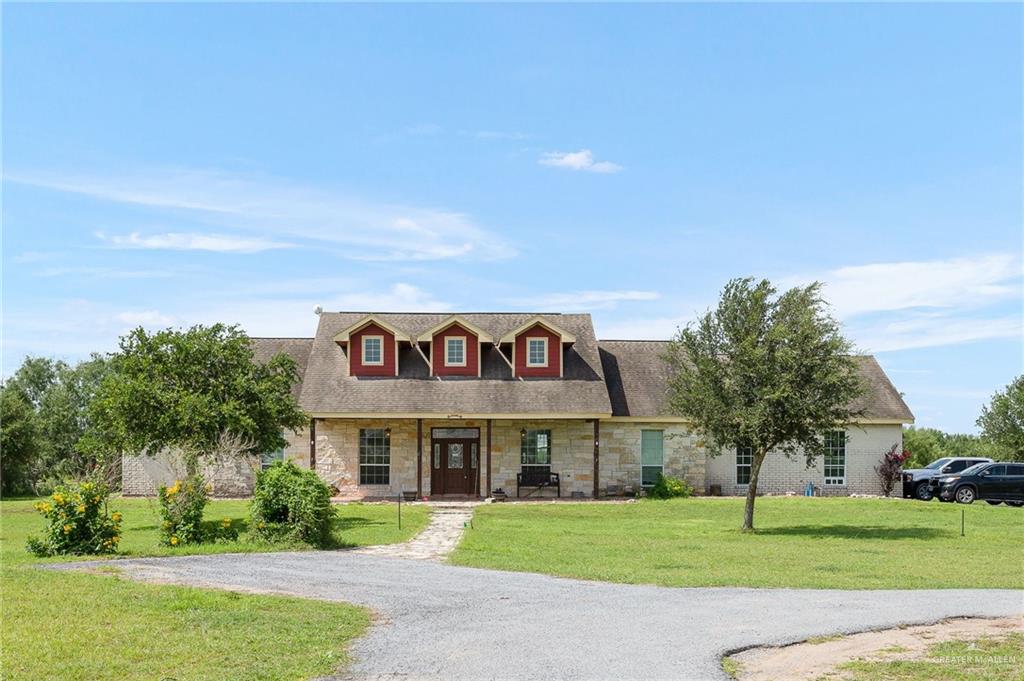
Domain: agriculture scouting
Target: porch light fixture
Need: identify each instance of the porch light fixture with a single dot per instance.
(522, 433)
(387, 433)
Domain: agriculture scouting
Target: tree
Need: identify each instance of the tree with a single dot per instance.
(1002, 421)
(768, 372)
(59, 395)
(928, 444)
(185, 390)
(19, 440)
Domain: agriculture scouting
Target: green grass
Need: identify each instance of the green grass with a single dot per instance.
(983, 659)
(800, 542)
(100, 626)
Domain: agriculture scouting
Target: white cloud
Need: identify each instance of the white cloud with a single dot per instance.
(580, 300)
(926, 331)
(423, 129)
(359, 229)
(176, 241)
(957, 282)
(147, 318)
(578, 160)
(103, 273)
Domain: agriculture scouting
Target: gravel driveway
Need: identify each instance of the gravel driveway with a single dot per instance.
(442, 622)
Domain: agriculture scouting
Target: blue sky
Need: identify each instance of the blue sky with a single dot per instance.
(170, 165)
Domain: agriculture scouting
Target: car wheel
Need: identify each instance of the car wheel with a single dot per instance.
(994, 502)
(1015, 504)
(922, 492)
(965, 495)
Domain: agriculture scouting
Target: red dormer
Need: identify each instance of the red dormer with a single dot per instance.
(537, 349)
(455, 347)
(372, 347)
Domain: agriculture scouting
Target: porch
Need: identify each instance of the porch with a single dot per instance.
(380, 458)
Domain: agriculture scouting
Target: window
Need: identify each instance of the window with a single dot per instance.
(374, 456)
(652, 456)
(455, 352)
(267, 459)
(996, 470)
(536, 450)
(373, 350)
(835, 457)
(536, 352)
(744, 460)
(1014, 469)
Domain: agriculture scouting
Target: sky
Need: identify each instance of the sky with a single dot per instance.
(167, 165)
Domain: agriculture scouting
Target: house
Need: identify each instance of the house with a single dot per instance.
(462, 404)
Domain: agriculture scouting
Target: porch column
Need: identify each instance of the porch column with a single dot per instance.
(419, 458)
(488, 490)
(312, 444)
(597, 456)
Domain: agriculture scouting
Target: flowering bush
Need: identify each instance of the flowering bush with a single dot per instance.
(667, 487)
(291, 503)
(181, 511)
(77, 522)
(890, 467)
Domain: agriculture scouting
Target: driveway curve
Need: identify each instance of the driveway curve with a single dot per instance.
(438, 621)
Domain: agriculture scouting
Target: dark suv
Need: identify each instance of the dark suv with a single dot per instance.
(993, 482)
(918, 483)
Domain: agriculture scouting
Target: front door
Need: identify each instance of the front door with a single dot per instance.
(454, 461)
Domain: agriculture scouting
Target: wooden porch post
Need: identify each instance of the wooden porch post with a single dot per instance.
(597, 457)
(419, 458)
(312, 444)
(488, 458)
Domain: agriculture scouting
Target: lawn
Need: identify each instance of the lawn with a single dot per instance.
(801, 542)
(87, 626)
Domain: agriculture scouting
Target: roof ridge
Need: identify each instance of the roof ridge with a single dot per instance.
(455, 314)
(281, 338)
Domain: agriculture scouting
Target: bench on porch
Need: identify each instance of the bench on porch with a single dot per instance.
(538, 479)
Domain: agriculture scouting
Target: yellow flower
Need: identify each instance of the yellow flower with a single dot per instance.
(81, 508)
(262, 524)
(226, 522)
(116, 538)
(174, 541)
(67, 529)
(116, 516)
(58, 497)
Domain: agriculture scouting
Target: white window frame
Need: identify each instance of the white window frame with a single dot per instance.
(544, 341)
(366, 362)
(837, 451)
(447, 341)
(744, 459)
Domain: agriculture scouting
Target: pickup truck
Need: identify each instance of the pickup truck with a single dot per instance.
(916, 480)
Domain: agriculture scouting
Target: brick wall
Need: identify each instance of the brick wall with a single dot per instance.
(779, 475)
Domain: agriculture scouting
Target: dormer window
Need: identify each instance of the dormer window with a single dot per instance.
(455, 351)
(373, 350)
(536, 352)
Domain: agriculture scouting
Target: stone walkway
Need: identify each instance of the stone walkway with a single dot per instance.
(448, 521)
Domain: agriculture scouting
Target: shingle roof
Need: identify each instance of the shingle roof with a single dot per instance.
(328, 388)
(638, 382)
(298, 348)
(635, 376)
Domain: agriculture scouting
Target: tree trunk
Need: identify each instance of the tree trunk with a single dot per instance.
(748, 512)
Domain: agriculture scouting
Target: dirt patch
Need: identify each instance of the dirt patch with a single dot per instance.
(819, 657)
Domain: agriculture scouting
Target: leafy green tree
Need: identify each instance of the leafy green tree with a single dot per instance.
(59, 395)
(19, 440)
(928, 444)
(769, 372)
(1002, 421)
(185, 390)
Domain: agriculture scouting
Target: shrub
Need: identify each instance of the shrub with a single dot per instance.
(181, 511)
(291, 503)
(78, 522)
(667, 487)
(889, 469)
